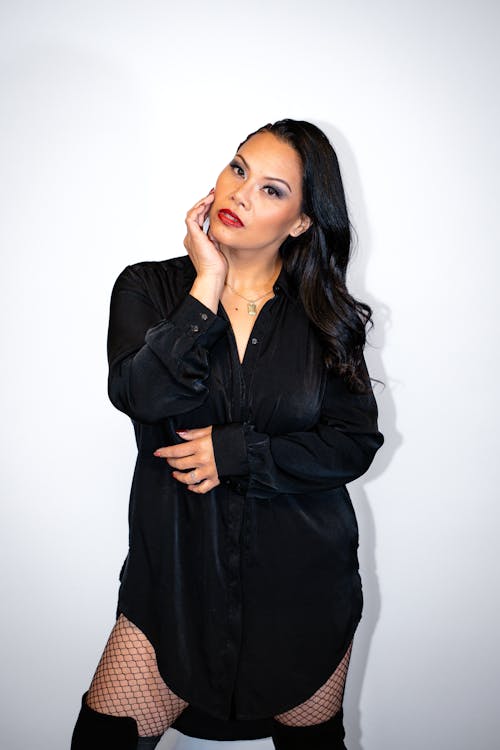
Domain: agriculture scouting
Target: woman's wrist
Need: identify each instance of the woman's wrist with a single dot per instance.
(207, 289)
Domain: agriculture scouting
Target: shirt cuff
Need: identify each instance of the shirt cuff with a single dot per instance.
(230, 450)
(194, 321)
(197, 320)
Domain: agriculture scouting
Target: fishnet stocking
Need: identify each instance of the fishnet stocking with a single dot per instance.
(127, 682)
(325, 703)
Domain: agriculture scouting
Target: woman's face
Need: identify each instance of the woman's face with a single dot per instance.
(258, 196)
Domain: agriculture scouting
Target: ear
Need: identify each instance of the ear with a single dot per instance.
(301, 226)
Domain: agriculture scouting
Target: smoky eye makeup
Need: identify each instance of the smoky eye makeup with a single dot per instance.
(238, 163)
(273, 191)
(235, 165)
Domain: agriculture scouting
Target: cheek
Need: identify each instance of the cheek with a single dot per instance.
(223, 181)
(282, 219)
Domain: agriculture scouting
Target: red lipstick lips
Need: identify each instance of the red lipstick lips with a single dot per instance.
(229, 219)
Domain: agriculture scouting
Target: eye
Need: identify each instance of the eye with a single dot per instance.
(237, 168)
(272, 191)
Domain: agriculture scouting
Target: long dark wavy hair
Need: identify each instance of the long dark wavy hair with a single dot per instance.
(317, 260)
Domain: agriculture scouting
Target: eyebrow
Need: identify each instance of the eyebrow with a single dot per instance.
(276, 179)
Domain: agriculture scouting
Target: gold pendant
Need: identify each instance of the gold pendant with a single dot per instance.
(252, 308)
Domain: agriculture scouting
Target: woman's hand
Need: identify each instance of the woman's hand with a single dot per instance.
(203, 250)
(193, 460)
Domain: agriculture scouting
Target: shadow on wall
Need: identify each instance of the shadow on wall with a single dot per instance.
(387, 422)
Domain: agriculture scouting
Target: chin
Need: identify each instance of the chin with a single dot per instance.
(219, 231)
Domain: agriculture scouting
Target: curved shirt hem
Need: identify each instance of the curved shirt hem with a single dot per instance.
(243, 715)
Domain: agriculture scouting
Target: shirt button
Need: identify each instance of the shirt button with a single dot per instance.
(255, 341)
(195, 329)
(204, 316)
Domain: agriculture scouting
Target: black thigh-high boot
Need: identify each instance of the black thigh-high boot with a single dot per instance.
(96, 731)
(329, 735)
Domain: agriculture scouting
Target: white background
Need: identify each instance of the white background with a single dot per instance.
(115, 118)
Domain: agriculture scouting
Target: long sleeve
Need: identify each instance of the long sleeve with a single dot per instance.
(158, 367)
(337, 450)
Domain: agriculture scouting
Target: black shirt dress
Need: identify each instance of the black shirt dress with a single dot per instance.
(250, 594)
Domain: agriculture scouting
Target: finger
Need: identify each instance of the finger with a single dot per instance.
(193, 476)
(195, 434)
(194, 223)
(175, 451)
(200, 210)
(183, 464)
(208, 197)
(203, 487)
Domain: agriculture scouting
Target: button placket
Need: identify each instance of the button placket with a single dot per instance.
(255, 342)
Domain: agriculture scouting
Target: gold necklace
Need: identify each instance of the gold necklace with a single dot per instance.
(251, 303)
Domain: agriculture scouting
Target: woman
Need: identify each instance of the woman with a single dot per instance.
(241, 366)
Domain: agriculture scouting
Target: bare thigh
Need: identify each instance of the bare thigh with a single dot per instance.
(325, 703)
(127, 682)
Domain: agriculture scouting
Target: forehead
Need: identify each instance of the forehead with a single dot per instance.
(269, 156)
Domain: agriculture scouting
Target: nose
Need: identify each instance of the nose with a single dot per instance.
(242, 195)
